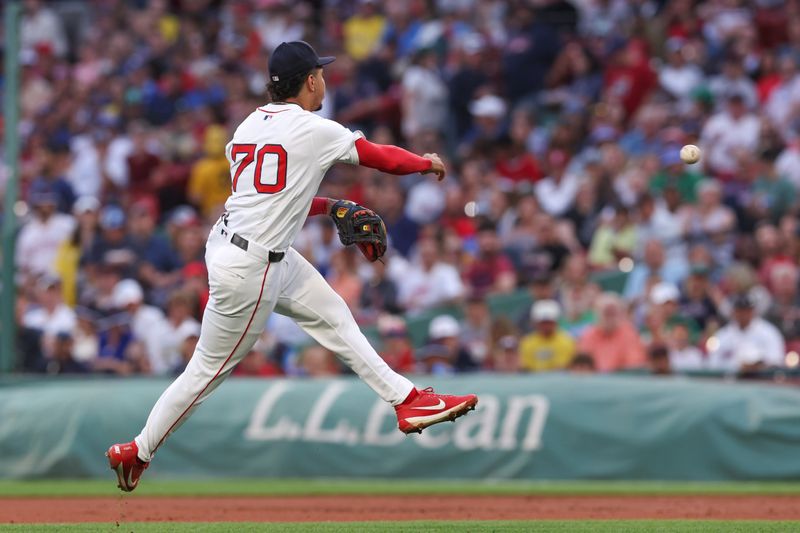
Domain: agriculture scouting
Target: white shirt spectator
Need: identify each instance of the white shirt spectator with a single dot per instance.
(39, 241)
(425, 202)
(556, 197)
(686, 359)
(150, 326)
(43, 27)
(759, 334)
(116, 161)
(424, 101)
(61, 320)
(788, 164)
(85, 173)
(782, 101)
(680, 81)
(421, 289)
(723, 85)
(171, 349)
(724, 137)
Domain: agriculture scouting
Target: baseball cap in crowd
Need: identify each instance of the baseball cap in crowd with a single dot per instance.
(293, 59)
(664, 292)
(127, 292)
(489, 106)
(443, 326)
(49, 281)
(146, 205)
(184, 216)
(86, 204)
(112, 217)
(545, 311)
(671, 157)
(743, 301)
(188, 329)
(392, 327)
(42, 193)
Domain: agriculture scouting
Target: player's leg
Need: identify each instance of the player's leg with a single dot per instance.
(243, 291)
(308, 299)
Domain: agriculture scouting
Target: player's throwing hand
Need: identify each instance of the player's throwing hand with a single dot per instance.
(437, 167)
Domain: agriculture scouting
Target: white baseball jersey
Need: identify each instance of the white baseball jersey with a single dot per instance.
(278, 157)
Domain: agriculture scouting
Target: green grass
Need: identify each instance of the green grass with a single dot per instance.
(555, 526)
(295, 487)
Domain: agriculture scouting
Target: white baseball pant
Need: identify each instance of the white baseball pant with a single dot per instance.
(244, 290)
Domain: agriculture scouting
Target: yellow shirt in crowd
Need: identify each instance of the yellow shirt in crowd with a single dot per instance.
(210, 184)
(538, 353)
(362, 34)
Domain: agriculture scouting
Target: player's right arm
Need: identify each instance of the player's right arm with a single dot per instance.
(336, 144)
(396, 160)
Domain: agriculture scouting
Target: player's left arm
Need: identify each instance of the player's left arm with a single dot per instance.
(321, 206)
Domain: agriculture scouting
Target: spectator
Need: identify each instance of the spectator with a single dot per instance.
(784, 312)
(41, 236)
(147, 323)
(654, 265)
(318, 362)
(256, 364)
(114, 246)
(424, 96)
(577, 294)
(746, 340)
(51, 316)
(491, 271)
(210, 181)
(548, 347)
(398, 352)
(114, 339)
(476, 329)
(28, 341)
(187, 335)
(444, 352)
(678, 77)
(683, 355)
(363, 30)
(658, 358)
(557, 191)
(613, 342)
(318, 241)
(729, 136)
(700, 300)
(67, 261)
(674, 173)
(664, 312)
(582, 363)
(429, 282)
(614, 240)
(344, 278)
(379, 293)
(179, 319)
(62, 360)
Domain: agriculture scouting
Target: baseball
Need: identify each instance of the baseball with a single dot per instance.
(690, 154)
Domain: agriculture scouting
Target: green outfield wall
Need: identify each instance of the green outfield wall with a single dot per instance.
(525, 427)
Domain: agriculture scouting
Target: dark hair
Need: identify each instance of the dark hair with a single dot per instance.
(280, 91)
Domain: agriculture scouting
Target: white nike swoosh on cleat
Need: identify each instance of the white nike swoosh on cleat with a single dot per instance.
(432, 407)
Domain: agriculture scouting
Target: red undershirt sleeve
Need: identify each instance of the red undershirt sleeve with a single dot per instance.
(319, 206)
(388, 158)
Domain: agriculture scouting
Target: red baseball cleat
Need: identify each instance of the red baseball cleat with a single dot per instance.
(425, 408)
(124, 460)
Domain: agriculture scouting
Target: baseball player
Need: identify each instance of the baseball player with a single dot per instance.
(278, 156)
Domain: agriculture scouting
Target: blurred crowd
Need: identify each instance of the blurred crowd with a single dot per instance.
(560, 122)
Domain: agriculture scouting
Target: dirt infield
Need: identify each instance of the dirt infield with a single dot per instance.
(347, 508)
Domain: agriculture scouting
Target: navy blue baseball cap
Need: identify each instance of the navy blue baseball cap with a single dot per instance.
(293, 59)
